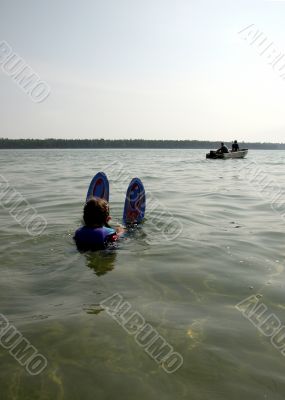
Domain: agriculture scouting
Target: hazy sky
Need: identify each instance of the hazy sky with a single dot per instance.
(153, 69)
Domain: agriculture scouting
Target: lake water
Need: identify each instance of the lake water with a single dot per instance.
(185, 284)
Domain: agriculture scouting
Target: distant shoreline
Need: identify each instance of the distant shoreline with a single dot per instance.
(126, 144)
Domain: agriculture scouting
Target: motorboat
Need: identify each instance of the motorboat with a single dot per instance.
(231, 154)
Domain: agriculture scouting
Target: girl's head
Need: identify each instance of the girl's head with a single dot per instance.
(96, 212)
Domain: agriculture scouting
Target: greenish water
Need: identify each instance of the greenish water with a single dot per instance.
(232, 246)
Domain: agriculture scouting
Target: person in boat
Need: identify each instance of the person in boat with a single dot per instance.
(235, 146)
(223, 149)
(96, 234)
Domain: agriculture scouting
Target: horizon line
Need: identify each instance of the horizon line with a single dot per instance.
(137, 139)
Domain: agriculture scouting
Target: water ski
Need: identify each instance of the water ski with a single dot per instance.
(99, 187)
(134, 209)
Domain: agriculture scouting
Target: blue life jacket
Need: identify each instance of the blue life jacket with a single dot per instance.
(94, 238)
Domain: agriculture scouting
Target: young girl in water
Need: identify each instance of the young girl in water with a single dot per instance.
(96, 234)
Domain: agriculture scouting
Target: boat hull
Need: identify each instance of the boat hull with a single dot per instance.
(225, 156)
(236, 154)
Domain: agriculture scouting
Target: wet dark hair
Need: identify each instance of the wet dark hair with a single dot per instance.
(96, 212)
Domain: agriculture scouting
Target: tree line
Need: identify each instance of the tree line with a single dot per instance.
(6, 143)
